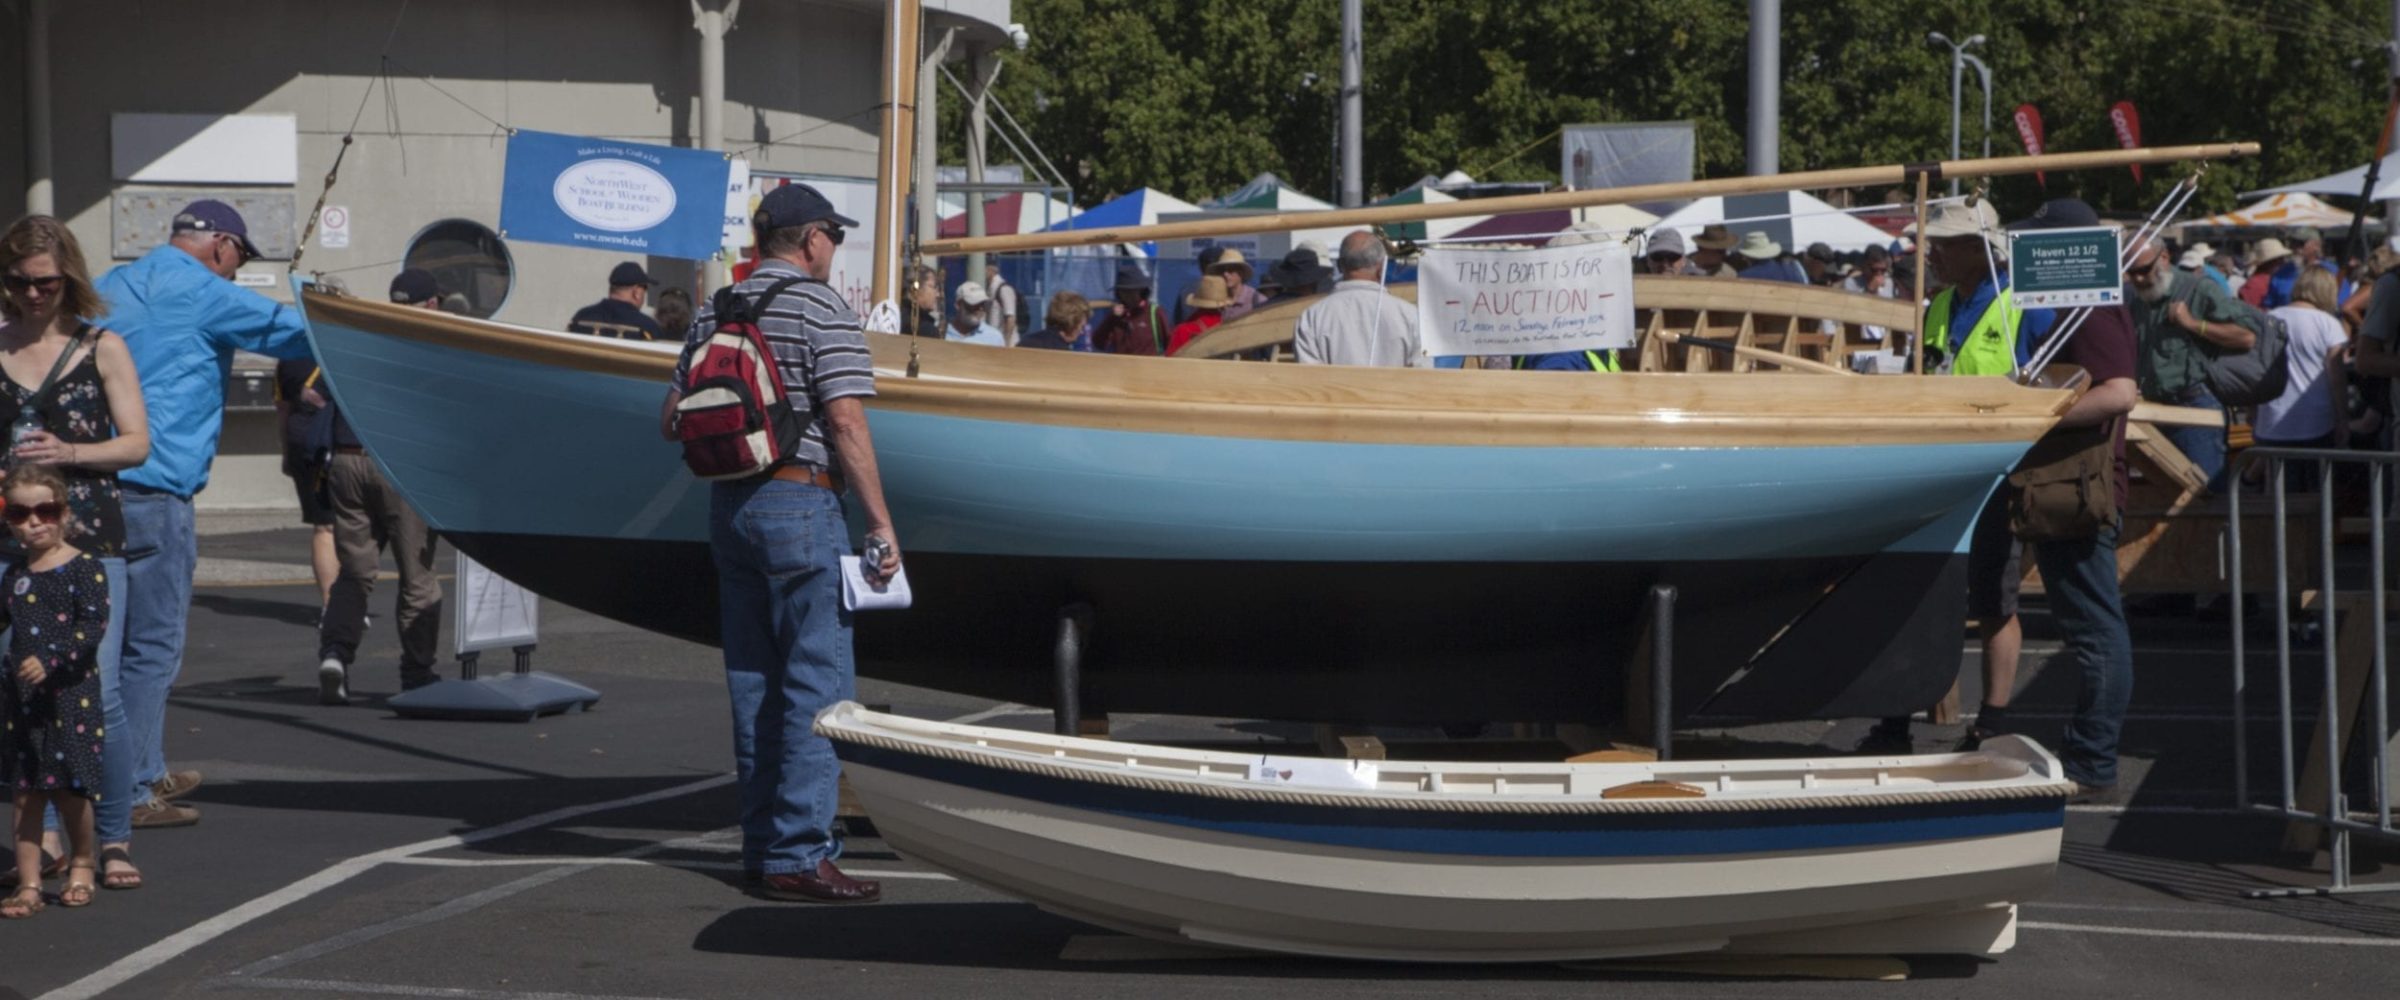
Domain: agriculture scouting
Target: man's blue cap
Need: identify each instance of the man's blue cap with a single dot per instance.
(415, 286)
(1131, 276)
(796, 205)
(209, 215)
(629, 273)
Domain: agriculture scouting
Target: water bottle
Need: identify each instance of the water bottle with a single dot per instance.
(26, 424)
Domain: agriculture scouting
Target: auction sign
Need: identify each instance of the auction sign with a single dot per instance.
(603, 194)
(1568, 298)
(2065, 268)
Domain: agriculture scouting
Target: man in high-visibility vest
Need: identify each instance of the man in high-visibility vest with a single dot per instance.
(1973, 328)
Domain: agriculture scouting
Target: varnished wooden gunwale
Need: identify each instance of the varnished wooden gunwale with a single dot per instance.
(1326, 403)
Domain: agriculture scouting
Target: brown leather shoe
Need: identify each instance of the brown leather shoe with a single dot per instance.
(825, 885)
(175, 785)
(155, 814)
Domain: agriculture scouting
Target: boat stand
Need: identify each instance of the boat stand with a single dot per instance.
(522, 695)
(1654, 691)
(1074, 636)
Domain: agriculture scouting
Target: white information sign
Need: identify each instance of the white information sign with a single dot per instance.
(492, 612)
(737, 206)
(333, 227)
(1570, 298)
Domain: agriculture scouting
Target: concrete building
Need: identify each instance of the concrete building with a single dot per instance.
(118, 112)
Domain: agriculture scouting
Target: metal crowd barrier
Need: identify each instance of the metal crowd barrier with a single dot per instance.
(2333, 812)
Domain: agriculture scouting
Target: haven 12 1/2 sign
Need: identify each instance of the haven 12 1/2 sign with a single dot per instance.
(2065, 268)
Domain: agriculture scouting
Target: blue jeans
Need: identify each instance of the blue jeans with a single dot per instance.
(2205, 446)
(2080, 577)
(113, 813)
(161, 553)
(778, 547)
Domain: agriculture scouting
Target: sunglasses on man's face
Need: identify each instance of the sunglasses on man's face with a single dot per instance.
(1665, 258)
(48, 510)
(49, 284)
(833, 233)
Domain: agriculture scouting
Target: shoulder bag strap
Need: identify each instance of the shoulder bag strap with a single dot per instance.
(57, 368)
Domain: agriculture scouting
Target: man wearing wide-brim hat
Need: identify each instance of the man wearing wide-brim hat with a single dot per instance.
(1299, 274)
(1207, 303)
(1709, 249)
(1762, 260)
(1135, 324)
(1972, 326)
(2265, 257)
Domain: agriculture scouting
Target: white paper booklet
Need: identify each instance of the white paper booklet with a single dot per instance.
(859, 595)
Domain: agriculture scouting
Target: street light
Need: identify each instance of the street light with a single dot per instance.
(1958, 66)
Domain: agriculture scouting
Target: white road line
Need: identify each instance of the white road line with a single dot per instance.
(167, 949)
(994, 712)
(2347, 942)
(341, 987)
(705, 866)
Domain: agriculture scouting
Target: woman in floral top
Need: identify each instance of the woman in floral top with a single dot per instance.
(92, 424)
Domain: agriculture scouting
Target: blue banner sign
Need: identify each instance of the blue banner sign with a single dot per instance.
(603, 194)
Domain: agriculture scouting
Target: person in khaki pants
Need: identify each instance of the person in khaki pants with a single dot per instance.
(367, 515)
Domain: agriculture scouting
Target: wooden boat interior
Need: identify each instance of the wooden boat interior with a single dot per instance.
(1767, 326)
(2013, 764)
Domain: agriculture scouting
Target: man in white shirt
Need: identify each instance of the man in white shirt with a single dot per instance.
(966, 326)
(1360, 323)
(1004, 303)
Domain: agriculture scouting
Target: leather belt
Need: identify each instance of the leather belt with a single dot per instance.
(348, 449)
(811, 475)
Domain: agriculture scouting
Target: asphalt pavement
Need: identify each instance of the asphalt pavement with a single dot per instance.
(344, 852)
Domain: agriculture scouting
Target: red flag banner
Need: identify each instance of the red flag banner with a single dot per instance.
(2029, 128)
(2128, 124)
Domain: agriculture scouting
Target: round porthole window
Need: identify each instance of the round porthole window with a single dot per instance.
(469, 261)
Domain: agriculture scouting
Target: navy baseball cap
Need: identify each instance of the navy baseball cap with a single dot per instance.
(629, 273)
(1131, 276)
(796, 205)
(415, 286)
(209, 215)
(2059, 213)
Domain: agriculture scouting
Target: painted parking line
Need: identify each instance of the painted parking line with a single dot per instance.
(2161, 932)
(167, 949)
(703, 866)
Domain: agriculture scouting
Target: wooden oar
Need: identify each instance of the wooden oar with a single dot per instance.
(1758, 354)
(1379, 215)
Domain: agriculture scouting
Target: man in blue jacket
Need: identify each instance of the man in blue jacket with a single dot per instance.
(182, 316)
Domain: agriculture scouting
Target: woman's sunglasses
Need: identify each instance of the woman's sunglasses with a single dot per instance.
(47, 510)
(48, 283)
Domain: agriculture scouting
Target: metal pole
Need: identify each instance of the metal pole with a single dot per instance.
(981, 65)
(1766, 87)
(40, 196)
(2241, 658)
(713, 18)
(1984, 71)
(1662, 669)
(1958, 67)
(1353, 187)
(1916, 346)
(929, 211)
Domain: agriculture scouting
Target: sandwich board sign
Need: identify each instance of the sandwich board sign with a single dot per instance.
(2065, 268)
(492, 612)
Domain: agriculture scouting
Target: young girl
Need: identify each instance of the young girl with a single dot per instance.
(56, 603)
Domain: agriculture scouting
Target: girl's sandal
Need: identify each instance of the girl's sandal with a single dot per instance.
(117, 870)
(79, 891)
(24, 902)
(53, 868)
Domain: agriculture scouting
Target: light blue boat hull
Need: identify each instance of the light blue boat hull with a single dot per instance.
(1298, 579)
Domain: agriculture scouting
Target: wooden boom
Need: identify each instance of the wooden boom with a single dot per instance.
(1387, 214)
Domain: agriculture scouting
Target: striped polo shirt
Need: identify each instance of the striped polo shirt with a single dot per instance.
(818, 346)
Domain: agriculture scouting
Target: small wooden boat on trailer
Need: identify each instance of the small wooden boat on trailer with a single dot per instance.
(1473, 862)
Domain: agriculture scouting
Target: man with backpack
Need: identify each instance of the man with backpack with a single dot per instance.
(777, 530)
(2182, 321)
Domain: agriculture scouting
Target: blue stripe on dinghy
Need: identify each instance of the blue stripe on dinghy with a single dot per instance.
(1505, 835)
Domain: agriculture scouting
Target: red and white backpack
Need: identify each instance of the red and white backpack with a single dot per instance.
(735, 419)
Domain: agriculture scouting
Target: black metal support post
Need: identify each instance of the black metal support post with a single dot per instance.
(1662, 669)
(1074, 633)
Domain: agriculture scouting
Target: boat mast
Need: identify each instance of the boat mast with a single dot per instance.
(893, 150)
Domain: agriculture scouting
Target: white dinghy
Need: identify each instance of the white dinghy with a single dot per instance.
(1473, 862)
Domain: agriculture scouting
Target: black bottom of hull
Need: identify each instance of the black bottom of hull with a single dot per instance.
(1387, 643)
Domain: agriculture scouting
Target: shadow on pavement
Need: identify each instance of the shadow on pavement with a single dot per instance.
(288, 613)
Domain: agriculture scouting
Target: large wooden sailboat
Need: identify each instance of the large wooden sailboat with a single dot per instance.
(1280, 541)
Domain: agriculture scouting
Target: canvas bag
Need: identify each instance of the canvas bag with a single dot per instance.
(2066, 485)
(2253, 377)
